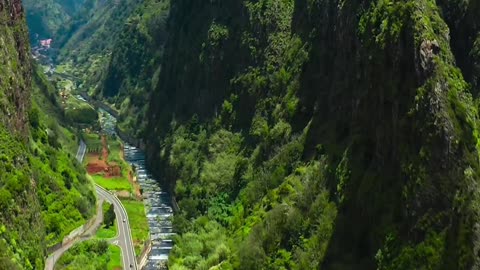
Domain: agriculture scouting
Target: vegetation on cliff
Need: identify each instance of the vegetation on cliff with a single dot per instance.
(43, 192)
(46, 17)
(299, 134)
(128, 83)
(333, 135)
(115, 50)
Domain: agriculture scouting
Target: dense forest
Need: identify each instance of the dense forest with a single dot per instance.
(307, 134)
(114, 49)
(44, 194)
(292, 134)
(319, 134)
(46, 17)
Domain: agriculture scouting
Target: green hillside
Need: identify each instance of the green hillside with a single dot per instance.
(44, 194)
(46, 17)
(318, 135)
(115, 49)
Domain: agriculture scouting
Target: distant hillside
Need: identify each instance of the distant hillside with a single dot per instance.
(46, 17)
(135, 63)
(116, 48)
(93, 30)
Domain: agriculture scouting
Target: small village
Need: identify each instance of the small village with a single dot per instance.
(41, 52)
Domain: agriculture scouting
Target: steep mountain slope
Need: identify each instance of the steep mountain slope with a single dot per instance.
(43, 194)
(464, 23)
(317, 134)
(16, 218)
(134, 64)
(46, 17)
(15, 68)
(88, 39)
(115, 50)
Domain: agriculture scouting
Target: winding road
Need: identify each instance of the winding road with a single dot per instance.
(89, 233)
(81, 151)
(124, 237)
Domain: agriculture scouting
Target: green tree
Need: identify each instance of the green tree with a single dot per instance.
(34, 118)
(109, 216)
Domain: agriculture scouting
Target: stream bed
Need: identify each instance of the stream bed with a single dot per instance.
(157, 202)
(158, 208)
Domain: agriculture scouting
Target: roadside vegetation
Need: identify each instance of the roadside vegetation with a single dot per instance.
(66, 195)
(138, 223)
(108, 229)
(91, 255)
(114, 183)
(95, 253)
(135, 209)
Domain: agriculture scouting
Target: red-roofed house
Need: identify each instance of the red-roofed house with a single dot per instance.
(46, 42)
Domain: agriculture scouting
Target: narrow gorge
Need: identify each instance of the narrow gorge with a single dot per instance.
(239, 134)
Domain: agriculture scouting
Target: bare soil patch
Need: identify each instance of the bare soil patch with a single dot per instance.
(123, 194)
(98, 163)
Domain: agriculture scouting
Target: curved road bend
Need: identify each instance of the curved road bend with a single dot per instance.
(54, 256)
(124, 238)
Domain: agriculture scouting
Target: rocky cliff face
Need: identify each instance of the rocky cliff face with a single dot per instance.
(134, 65)
(406, 120)
(43, 194)
(462, 19)
(371, 88)
(15, 70)
(18, 214)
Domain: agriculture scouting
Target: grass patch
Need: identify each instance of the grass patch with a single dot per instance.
(114, 183)
(115, 262)
(110, 232)
(91, 254)
(66, 85)
(138, 223)
(93, 141)
(114, 151)
(107, 233)
(80, 112)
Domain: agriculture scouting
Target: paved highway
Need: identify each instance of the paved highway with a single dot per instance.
(124, 239)
(81, 151)
(87, 234)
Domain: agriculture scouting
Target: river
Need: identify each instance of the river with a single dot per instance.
(157, 202)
